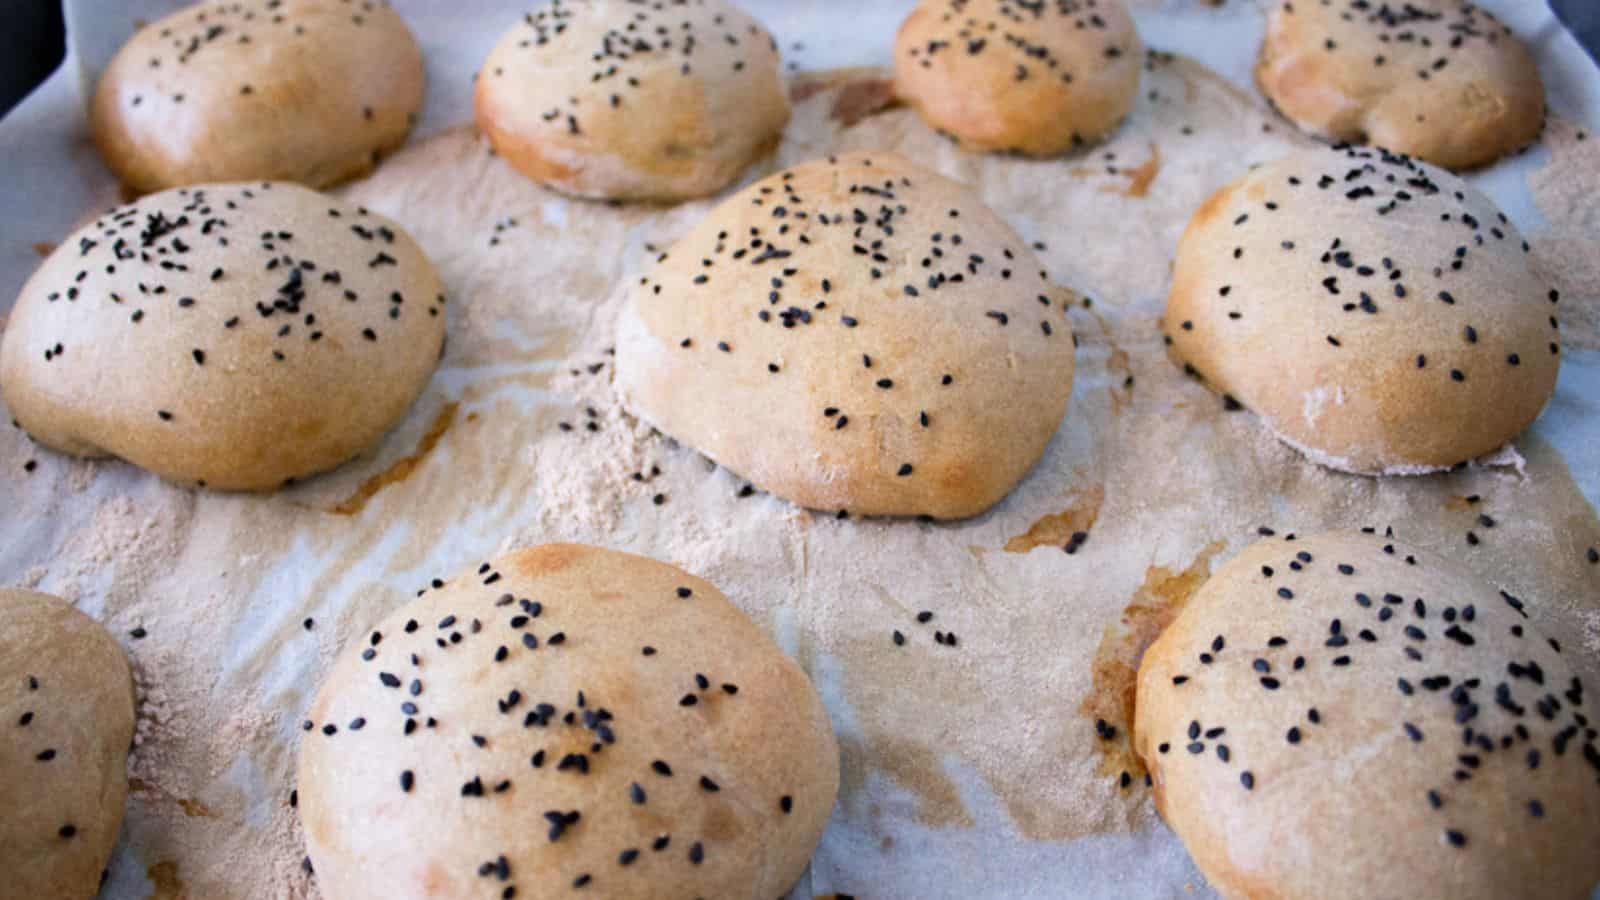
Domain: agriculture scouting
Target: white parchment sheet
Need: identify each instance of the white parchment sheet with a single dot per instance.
(148, 540)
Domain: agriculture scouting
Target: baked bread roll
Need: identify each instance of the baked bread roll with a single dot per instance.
(232, 335)
(314, 91)
(1034, 78)
(1442, 80)
(1346, 716)
(855, 333)
(1379, 314)
(66, 724)
(565, 717)
(633, 101)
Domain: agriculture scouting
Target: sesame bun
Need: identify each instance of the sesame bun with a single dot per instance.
(1346, 716)
(857, 334)
(1378, 313)
(1035, 78)
(66, 723)
(313, 91)
(1442, 80)
(633, 101)
(565, 717)
(232, 335)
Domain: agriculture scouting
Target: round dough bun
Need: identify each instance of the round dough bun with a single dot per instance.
(232, 335)
(1442, 80)
(1379, 314)
(66, 724)
(314, 91)
(1034, 78)
(633, 101)
(1346, 716)
(566, 717)
(855, 333)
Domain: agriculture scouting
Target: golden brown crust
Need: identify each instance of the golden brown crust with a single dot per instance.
(66, 723)
(1441, 80)
(232, 335)
(748, 763)
(1346, 716)
(882, 343)
(1369, 316)
(629, 102)
(312, 91)
(1035, 79)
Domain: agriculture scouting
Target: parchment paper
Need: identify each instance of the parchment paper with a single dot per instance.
(972, 770)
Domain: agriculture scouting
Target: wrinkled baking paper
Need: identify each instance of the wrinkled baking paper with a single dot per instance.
(970, 770)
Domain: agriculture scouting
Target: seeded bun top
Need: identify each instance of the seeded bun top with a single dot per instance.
(66, 723)
(1036, 78)
(1346, 716)
(633, 101)
(565, 717)
(855, 333)
(235, 335)
(1441, 80)
(1378, 313)
(312, 91)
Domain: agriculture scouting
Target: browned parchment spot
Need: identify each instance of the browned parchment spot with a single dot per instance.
(919, 770)
(859, 92)
(194, 808)
(1056, 529)
(43, 248)
(164, 876)
(1115, 670)
(859, 99)
(1118, 362)
(1140, 177)
(191, 808)
(401, 468)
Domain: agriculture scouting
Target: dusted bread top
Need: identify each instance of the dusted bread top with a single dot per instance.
(633, 100)
(565, 717)
(1346, 716)
(236, 335)
(1377, 312)
(855, 333)
(312, 91)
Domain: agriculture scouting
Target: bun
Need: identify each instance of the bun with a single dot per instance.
(1346, 716)
(310, 91)
(235, 335)
(565, 717)
(1378, 313)
(66, 724)
(1441, 80)
(854, 333)
(633, 101)
(1034, 78)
